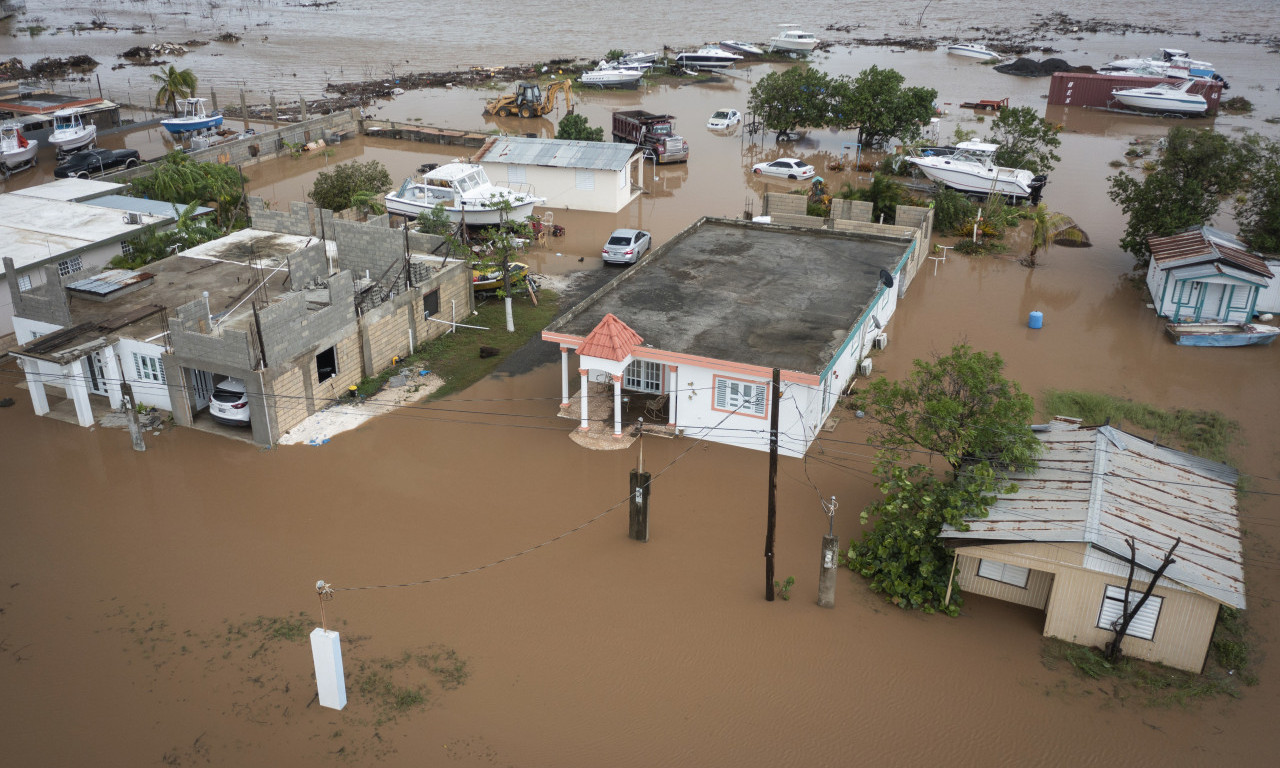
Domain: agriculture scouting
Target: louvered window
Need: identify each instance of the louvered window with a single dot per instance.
(585, 180)
(742, 396)
(515, 174)
(148, 368)
(1003, 572)
(1143, 625)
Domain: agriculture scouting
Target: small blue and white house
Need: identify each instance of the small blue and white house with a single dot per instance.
(1206, 276)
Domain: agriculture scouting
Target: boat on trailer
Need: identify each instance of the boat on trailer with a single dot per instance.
(970, 167)
(17, 152)
(465, 194)
(192, 117)
(1221, 334)
(70, 133)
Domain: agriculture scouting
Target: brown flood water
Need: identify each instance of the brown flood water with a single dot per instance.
(119, 571)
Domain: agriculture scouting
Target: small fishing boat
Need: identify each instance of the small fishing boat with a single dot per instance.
(1163, 98)
(1171, 62)
(488, 278)
(638, 59)
(1221, 334)
(70, 133)
(608, 74)
(707, 57)
(17, 152)
(733, 46)
(463, 191)
(973, 51)
(970, 167)
(792, 40)
(192, 117)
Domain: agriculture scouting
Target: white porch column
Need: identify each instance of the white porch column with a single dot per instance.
(675, 395)
(564, 377)
(617, 406)
(78, 391)
(583, 427)
(35, 385)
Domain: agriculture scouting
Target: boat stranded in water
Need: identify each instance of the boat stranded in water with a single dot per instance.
(1172, 62)
(192, 117)
(970, 167)
(464, 193)
(70, 133)
(17, 152)
(609, 74)
(1163, 98)
(707, 57)
(1221, 334)
(973, 51)
(792, 40)
(733, 46)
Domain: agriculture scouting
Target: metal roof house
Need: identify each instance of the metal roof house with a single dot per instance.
(1203, 275)
(578, 175)
(1059, 543)
(698, 325)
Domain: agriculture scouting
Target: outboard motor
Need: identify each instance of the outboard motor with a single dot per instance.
(1037, 188)
(1221, 79)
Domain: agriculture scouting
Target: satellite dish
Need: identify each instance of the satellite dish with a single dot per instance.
(886, 278)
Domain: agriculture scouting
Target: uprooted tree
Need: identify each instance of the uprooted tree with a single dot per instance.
(340, 188)
(959, 407)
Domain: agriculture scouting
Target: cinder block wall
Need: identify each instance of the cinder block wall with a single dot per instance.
(370, 249)
(794, 220)
(290, 329)
(776, 203)
(307, 265)
(295, 391)
(915, 216)
(191, 339)
(386, 329)
(46, 303)
(851, 210)
(870, 228)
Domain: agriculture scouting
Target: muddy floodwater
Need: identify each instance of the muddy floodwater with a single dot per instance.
(140, 593)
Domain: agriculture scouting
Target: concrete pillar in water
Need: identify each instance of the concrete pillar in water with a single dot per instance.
(326, 652)
(302, 107)
(827, 571)
(617, 406)
(585, 425)
(564, 377)
(275, 113)
(213, 99)
(244, 110)
(638, 527)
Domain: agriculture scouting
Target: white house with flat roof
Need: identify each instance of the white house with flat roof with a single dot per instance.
(577, 175)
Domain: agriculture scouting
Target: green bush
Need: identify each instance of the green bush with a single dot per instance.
(338, 189)
(951, 210)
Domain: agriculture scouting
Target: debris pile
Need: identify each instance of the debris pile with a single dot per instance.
(145, 53)
(13, 69)
(50, 67)
(1030, 68)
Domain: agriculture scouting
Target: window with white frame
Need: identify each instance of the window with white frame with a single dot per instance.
(1143, 624)
(148, 368)
(742, 396)
(585, 179)
(24, 282)
(1003, 572)
(69, 266)
(643, 375)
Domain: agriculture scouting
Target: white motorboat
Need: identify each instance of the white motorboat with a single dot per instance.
(733, 46)
(70, 133)
(610, 74)
(638, 59)
(466, 194)
(193, 117)
(1172, 62)
(973, 51)
(970, 167)
(707, 57)
(1164, 98)
(17, 152)
(792, 39)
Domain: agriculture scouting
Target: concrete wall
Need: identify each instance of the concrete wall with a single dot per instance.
(303, 219)
(45, 302)
(398, 326)
(797, 220)
(915, 216)
(192, 340)
(373, 248)
(851, 210)
(290, 329)
(308, 266)
(295, 392)
(779, 203)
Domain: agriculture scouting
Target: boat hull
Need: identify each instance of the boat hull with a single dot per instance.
(473, 215)
(69, 141)
(972, 52)
(186, 124)
(20, 157)
(733, 46)
(793, 46)
(977, 182)
(611, 78)
(1162, 104)
(703, 62)
(1221, 334)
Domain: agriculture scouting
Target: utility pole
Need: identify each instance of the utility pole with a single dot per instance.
(830, 559)
(638, 521)
(1121, 625)
(776, 397)
(131, 414)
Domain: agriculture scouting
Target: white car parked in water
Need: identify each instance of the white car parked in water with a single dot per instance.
(786, 167)
(724, 119)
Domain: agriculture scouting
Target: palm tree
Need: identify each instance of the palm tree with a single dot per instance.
(174, 84)
(1046, 226)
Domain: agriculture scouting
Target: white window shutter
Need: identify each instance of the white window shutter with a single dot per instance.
(722, 393)
(1143, 624)
(585, 180)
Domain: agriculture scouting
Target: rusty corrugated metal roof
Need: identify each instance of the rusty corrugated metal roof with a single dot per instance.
(1195, 243)
(556, 153)
(1103, 486)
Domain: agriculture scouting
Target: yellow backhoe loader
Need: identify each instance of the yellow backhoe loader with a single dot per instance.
(530, 100)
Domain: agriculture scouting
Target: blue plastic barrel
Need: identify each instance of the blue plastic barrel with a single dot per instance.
(1035, 320)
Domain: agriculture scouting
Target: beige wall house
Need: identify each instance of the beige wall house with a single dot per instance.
(578, 175)
(1059, 543)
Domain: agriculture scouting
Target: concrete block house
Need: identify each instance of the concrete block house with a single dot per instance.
(698, 325)
(1058, 543)
(579, 175)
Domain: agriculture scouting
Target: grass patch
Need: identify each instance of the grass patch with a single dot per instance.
(395, 686)
(455, 357)
(1151, 684)
(1208, 434)
(1229, 648)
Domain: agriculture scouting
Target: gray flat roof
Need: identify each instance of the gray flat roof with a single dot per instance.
(143, 205)
(556, 153)
(758, 294)
(35, 230)
(73, 190)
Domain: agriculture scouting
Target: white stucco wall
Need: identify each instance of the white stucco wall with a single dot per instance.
(92, 261)
(611, 189)
(155, 394)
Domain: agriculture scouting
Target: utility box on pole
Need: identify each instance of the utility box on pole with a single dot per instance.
(827, 572)
(638, 528)
(326, 652)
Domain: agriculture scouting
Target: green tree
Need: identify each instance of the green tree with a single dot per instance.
(575, 127)
(1047, 225)
(881, 108)
(1257, 208)
(1195, 171)
(959, 406)
(884, 194)
(798, 97)
(1026, 140)
(180, 180)
(336, 190)
(174, 84)
(951, 209)
(435, 222)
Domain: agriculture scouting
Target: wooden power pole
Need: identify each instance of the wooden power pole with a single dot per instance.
(776, 397)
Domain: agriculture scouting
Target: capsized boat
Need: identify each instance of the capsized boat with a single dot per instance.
(1164, 98)
(638, 59)
(1221, 334)
(608, 74)
(192, 117)
(70, 132)
(707, 57)
(970, 167)
(973, 51)
(734, 46)
(793, 39)
(464, 192)
(17, 152)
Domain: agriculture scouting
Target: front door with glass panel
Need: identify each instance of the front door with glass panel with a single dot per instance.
(643, 376)
(97, 373)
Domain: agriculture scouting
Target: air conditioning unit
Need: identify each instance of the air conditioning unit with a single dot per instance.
(133, 217)
(865, 366)
(881, 341)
